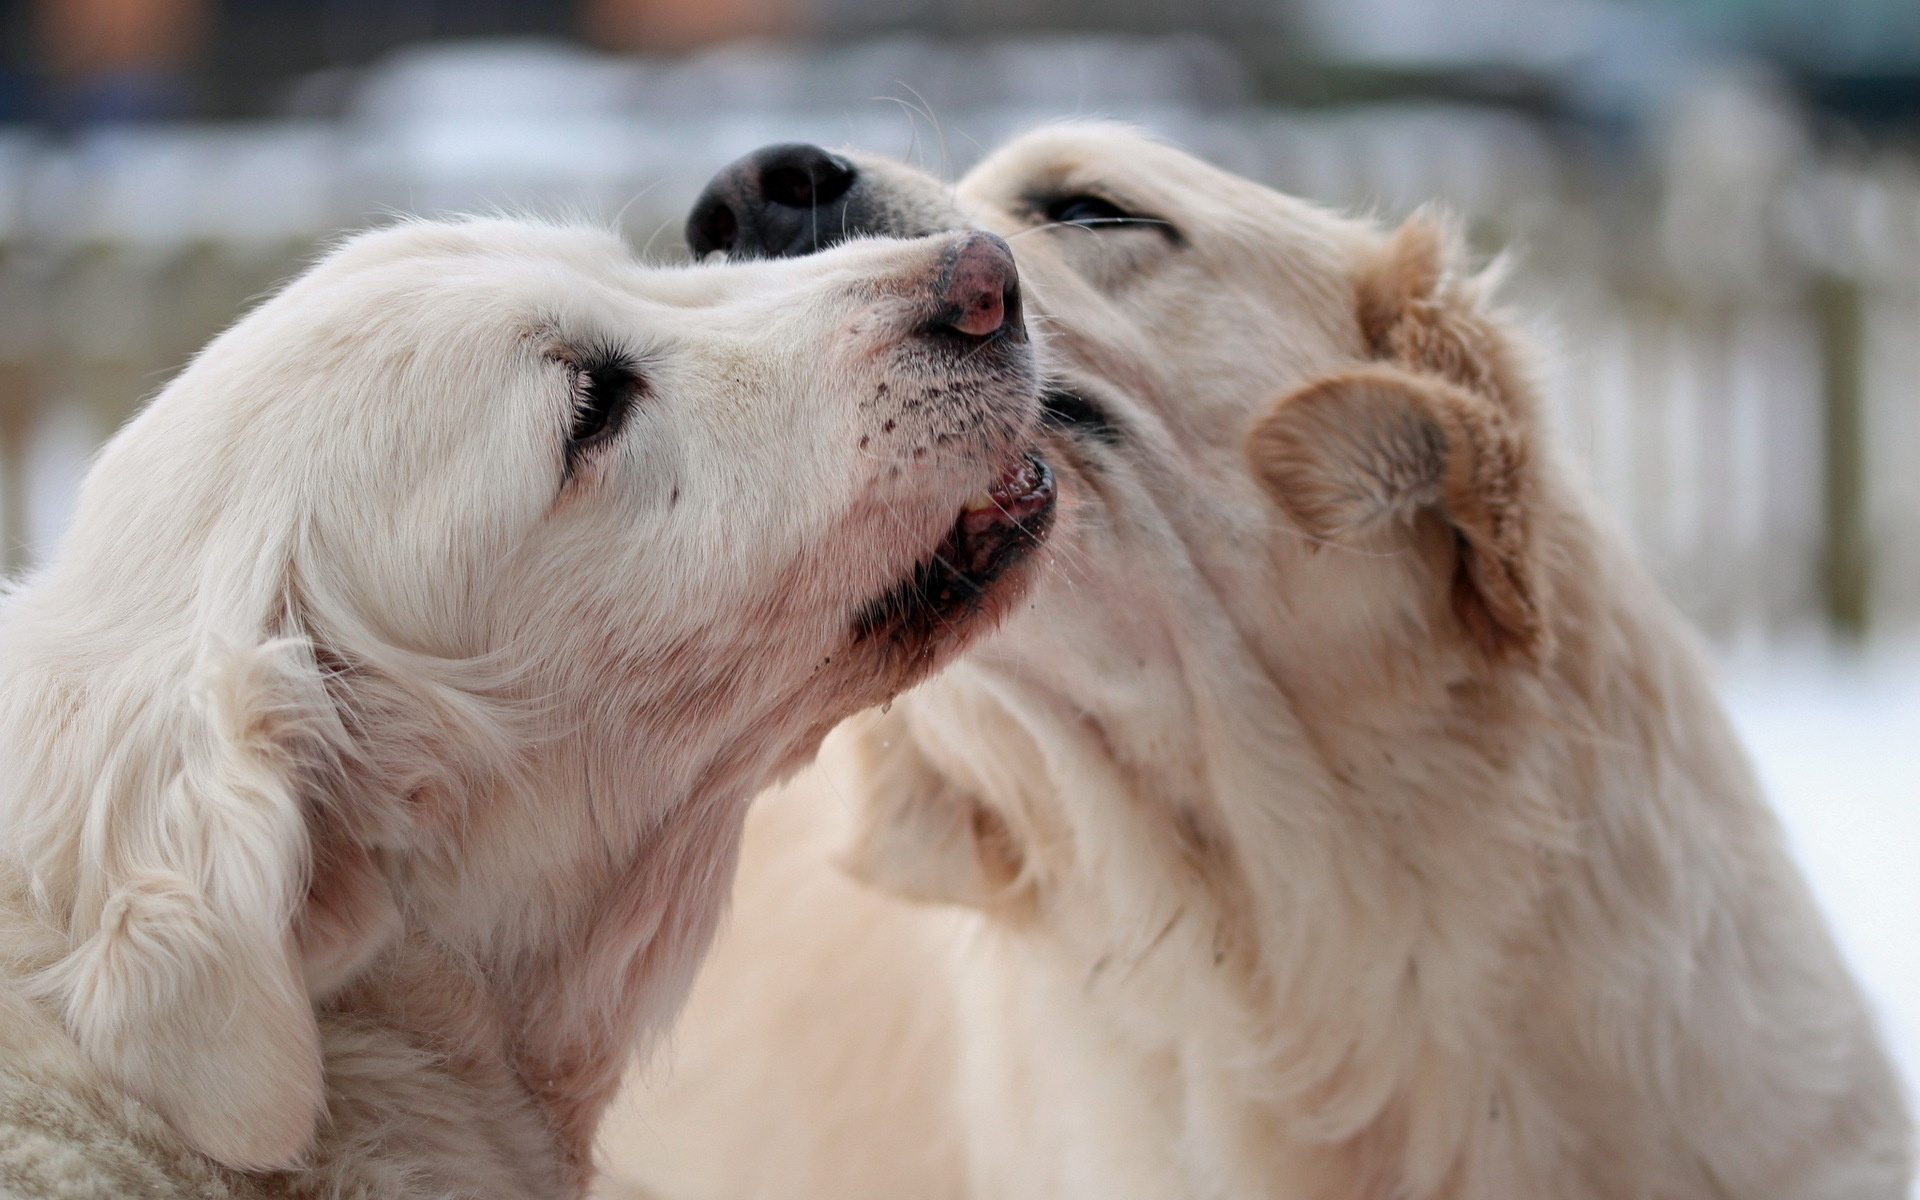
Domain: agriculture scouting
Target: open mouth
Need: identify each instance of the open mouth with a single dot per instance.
(994, 531)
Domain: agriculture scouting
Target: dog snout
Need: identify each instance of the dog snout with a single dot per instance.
(978, 289)
(778, 202)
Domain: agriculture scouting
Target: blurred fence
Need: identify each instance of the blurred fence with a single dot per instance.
(1734, 311)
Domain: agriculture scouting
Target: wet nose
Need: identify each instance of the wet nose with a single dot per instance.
(978, 289)
(778, 202)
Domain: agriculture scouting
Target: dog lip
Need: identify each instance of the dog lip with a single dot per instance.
(944, 591)
(1022, 490)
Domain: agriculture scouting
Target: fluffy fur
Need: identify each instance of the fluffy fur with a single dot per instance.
(374, 750)
(1347, 818)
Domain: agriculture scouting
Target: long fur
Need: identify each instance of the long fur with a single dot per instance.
(1348, 817)
(372, 759)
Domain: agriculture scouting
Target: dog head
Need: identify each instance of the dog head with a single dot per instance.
(426, 593)
(1280, 431)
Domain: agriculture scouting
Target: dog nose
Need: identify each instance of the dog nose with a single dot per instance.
(979, 288)
(778, 202)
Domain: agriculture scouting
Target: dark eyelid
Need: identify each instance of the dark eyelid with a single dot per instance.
(1045, 205)
(1071, 412)
(606, 383)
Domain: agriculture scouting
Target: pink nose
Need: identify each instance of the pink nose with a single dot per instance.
(980, 288)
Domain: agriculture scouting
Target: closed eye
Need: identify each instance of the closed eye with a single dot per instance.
(1084, 210)
(605, 387)
(1098, 212)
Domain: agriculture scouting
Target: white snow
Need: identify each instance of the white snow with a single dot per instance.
(1838, 746)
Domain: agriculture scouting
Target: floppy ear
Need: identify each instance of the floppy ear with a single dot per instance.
(920, 837)
(185, 984)
(1441, 422)
(1380, 444)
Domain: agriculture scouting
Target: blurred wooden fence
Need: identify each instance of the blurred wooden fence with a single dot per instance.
(1734, 315)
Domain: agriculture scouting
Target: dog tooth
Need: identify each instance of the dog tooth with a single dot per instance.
(980, 502)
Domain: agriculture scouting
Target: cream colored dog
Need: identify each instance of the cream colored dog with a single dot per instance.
(1347, 817)
(373, 753)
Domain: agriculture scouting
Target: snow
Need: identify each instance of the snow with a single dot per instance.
(1838, 747)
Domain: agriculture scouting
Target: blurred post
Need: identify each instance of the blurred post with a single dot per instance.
(118, 59)
(17, 395)
(1837, 307)
(23, 327)
(674, 25)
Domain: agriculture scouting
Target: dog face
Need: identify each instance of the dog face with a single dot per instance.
(712, 442)
(1279, 431)
(447, 581)
(1358, 381)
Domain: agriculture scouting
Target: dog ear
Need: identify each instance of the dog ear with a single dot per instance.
(1441, 423)
(186, 984)
(1379, 444)
(920, 837)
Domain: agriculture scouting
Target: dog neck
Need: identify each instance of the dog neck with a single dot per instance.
(1346, 899)
(528, 1040)
(1266, 885)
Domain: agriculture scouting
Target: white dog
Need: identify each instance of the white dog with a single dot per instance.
(1347, 818)
(373, 753)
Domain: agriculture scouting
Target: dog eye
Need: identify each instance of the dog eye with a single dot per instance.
(603, 394)
(1086, 210)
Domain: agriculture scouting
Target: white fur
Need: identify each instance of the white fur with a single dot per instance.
(1348, 818)
(369, 776)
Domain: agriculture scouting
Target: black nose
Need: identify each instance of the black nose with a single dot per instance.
(778, 202)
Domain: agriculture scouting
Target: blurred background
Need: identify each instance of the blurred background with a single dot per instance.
(1714, 206)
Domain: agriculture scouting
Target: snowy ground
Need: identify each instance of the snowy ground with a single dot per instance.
(1839, 748)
